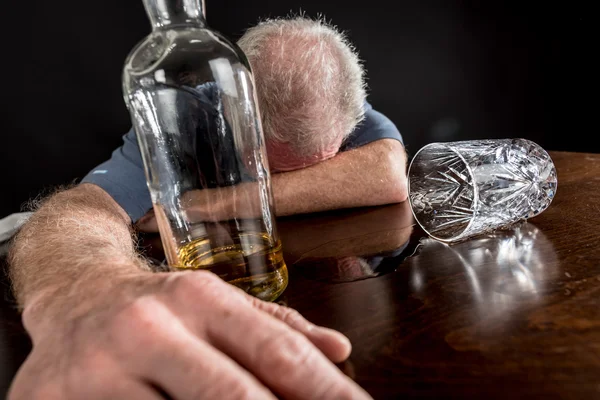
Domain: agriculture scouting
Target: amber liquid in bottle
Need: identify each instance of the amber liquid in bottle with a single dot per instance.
(250, 262)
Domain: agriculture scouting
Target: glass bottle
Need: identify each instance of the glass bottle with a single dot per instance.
(191, 96)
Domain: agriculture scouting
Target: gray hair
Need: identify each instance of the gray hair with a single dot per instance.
(310, 82)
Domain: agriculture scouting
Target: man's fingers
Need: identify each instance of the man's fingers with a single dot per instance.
(192, 369)
(187, 286)
(332, 343)
(281, 357)
(179, 362)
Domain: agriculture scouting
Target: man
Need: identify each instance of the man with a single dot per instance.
(102, 326)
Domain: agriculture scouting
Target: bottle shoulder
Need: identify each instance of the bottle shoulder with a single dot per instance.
(183, 49)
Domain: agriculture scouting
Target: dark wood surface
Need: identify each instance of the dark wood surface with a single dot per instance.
(513, 314)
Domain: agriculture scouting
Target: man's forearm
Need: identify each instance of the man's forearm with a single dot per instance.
(374, 174)
(75, 234)
(371, 175)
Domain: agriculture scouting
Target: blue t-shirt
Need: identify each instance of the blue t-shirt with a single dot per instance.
(122, 176)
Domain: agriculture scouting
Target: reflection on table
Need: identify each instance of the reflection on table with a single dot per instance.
(329, 248)
(503, 269)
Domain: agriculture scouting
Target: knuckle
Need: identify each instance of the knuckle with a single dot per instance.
(255, 302)
(286, 353)
(203, 290)
(289, 316)
(137, 325)
(192, 283)
(139, 312)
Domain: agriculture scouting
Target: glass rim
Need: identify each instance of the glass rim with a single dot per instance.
(543, 150)
(475, 203)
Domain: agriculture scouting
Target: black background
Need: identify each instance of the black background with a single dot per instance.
(441, 70)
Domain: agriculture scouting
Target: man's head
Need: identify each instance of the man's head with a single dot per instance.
(310, 89)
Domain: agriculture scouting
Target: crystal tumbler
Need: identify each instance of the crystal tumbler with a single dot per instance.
(465, 188)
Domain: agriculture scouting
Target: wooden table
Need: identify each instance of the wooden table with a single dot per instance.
(514, 314)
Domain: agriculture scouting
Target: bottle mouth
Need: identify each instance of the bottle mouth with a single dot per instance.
(168, 13)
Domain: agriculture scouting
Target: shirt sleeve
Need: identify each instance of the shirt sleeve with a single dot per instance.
(123, 177)
(375, 126)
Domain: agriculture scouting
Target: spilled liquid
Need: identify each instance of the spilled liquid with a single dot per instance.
(351, 268)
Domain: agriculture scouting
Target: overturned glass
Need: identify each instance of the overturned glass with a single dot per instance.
(192, 100)
(465, 188)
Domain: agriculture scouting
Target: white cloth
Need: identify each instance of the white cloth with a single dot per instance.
(10, 224)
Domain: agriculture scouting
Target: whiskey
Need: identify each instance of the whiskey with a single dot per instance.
(251, 261)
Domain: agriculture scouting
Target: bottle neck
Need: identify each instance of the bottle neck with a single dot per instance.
(169, 13)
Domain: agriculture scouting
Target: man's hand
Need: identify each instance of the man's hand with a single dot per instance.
(104, 327)
(183, 335)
